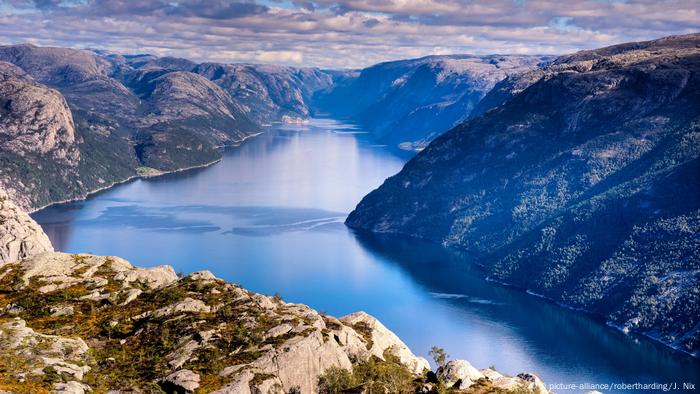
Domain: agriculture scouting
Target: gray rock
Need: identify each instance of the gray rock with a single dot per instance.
(383, 339)
(20, 236)
(188, 305)
(71, 387)
(459, 373)
(182, 381)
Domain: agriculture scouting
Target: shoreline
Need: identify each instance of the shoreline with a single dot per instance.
(614, 326)
(121, 182)
(146, 176)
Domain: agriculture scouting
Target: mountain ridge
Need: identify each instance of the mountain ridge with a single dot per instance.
(409, 102)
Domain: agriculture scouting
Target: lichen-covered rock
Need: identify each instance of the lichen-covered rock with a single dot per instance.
(459, 374)
(67, 320)
(182, 381)
(382, 339)
(20, 236)
(196, 332)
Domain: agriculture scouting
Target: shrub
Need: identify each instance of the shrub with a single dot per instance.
(334, 380)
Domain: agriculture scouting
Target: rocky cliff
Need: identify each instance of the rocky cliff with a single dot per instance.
(582, 186)
(78, 323)
(37, 134)
(20, 236)
(410, 102)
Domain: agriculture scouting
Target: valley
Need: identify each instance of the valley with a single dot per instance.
(524, 212)
(268, 217)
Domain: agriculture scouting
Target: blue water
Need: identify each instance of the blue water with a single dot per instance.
(269, 217)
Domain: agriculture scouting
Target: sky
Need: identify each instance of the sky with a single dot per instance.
(340, 34)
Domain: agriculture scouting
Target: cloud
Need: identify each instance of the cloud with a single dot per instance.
(340, 34)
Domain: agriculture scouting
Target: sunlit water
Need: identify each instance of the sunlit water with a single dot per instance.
(270, 216)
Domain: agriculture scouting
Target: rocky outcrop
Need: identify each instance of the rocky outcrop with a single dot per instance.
(459, 374)
(97, 323)
(410, 102)
(195, 331)
(382, 339)
(570, 187)
(20, 236)
(80, 323)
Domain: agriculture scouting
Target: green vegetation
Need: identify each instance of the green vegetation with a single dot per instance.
(439, 355)
(373, 375)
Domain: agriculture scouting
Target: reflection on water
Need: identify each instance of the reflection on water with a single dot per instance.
(269, 217)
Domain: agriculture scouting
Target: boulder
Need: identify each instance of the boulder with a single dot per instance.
(239, 385)
(301, 360)
(202, 275)
(534, 383)
(20, 236)
(382, 340)
(154, 278)
(188, 305)
(182, 381)
(459, 374)
(71, 387)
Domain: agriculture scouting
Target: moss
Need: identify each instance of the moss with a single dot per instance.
(259, 378)
(365, 331)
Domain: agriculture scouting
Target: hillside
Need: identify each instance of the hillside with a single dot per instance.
(77, 121)
(582, 186)
(408, 103)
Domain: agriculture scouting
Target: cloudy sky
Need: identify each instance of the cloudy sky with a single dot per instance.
(340, 34)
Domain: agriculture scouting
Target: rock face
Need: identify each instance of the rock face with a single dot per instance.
(571, 187)
(36, 133)
(410, 102)
(20, 236)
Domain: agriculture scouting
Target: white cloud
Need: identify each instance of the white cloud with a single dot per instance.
(349, 33)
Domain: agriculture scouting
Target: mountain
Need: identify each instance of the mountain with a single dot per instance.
(81, 323)
(582, 186)
(269, 93)
(76, 121)
(410, 102)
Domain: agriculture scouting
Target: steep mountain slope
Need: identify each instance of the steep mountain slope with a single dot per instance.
(269, 93)
(37, 134)
(118, 122)
(132, 115)
(410, 102)
(583, 186)
(181, 99)
(80, 323)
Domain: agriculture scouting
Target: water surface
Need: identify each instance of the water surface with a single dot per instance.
(270, 216)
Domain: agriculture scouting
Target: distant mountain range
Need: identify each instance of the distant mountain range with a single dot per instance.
(579, 181)
(407, 103)
(76, 121)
